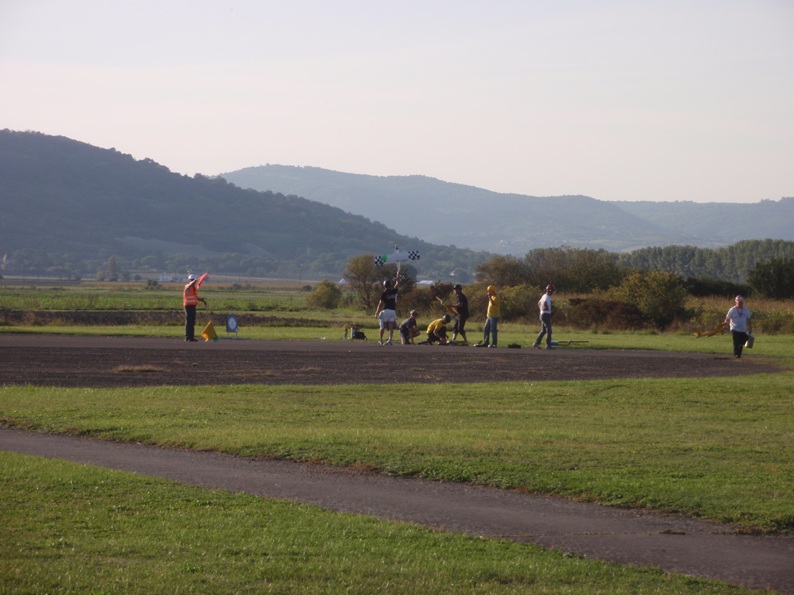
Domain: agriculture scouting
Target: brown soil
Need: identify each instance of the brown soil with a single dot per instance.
(60, 360)
(646, 538)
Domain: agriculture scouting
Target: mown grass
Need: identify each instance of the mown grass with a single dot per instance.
(77, 529)
(716, 448)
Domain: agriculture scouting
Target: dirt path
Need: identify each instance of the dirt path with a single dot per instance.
(60, 360)
(673, 543)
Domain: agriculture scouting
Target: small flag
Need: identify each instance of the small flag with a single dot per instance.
(209, 333)
(201, 279)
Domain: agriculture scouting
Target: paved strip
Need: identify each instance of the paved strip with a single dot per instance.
(675, 544)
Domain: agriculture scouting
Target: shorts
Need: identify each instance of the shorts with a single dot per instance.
(387, 316)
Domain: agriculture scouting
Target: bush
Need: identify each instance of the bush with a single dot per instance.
(659, 296)
(702, 287)
(776, 322)
(606, 314)
(520, 303)
(423, 298)
(326, 296)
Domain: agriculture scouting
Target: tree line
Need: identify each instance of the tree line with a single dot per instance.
(615, 295)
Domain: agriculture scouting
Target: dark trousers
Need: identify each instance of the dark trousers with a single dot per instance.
(545, 329)
(739, 339)
(460, 326)
(190, 322)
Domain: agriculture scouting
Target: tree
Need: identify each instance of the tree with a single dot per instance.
(774, 279)
(326, 296)
(502, 271)
(587, 270)
(363, 275)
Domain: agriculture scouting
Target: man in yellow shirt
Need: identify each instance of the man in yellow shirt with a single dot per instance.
(437, 330)
(491, 330)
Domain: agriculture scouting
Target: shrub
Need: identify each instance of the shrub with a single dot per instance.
(422, 299)
(606, 314)
(703, 287)
(659, 296)
(520, 303)
(774, 323)
(326, 296)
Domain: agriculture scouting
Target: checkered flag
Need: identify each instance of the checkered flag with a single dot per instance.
(413, 254)
(379, 260)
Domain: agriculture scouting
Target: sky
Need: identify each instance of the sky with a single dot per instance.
(660, 100)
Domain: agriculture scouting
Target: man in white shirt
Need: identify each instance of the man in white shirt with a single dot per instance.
(741, 325)
(544, 305)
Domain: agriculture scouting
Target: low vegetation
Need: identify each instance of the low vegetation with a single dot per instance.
(642, 302)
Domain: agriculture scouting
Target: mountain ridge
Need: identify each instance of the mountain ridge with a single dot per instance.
(514, 223)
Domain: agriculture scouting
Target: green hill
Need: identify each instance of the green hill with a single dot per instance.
(68, 206)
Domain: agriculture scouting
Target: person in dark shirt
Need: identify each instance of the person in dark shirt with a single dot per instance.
(409, 329)
(386, 312)
(461, 308)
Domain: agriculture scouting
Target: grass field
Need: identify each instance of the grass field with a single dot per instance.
(716, 448)
(77, 529)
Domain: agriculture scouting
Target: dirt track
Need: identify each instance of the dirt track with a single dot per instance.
(56, 360)
(673, 543)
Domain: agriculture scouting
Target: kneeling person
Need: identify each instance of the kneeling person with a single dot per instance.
(409, 329)
(437, 330)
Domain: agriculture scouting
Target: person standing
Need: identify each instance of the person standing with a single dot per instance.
(739, 320)
(491, 330)
(544, 305)
(461, 308)
(190, 300)
(409, 329)
(386, 312)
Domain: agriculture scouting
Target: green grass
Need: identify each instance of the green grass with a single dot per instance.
(716, 448)
(77, 529)
(136, 297)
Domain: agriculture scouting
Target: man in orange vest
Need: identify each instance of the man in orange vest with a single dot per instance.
(190, 299)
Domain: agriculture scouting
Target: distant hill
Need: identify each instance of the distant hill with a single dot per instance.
(720, 223)
(65, 202)
(479, 219)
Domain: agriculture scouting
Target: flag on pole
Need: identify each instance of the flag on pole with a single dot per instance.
(201, 279)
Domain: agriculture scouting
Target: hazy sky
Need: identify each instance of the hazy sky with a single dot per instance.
(614, 99)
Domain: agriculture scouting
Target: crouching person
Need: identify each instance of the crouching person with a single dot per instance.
(437, 330)
(409, 329)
